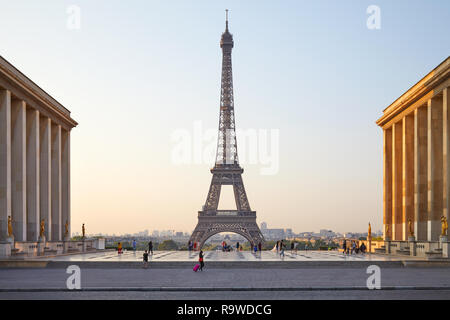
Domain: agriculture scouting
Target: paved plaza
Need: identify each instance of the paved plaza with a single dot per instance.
(218, 255)
(242, 296)
(307, 283)
(227, 275)
(321, 275)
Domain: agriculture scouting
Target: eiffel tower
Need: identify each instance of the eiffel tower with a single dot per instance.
(227, 170)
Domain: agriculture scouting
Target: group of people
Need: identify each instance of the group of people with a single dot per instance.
(134, 245)
(353, 247)
(257, 248)
(280, 246)
(227, 248)
(192, 245)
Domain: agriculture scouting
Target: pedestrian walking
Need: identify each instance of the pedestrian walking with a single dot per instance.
(119, 248)
(200, 259)
(134, 245)
(145, 258)
(344, 247)
(363, 248)
(282, 245)
(150, 247)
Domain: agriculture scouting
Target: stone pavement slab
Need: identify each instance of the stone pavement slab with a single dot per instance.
(224, 278)
(243, 296)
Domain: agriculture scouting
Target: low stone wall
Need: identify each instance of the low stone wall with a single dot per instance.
(28, 247)
(424, 246)
(421, 249)
(34, 248)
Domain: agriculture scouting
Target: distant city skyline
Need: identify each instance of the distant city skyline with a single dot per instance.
(133, 76)
(264, 227)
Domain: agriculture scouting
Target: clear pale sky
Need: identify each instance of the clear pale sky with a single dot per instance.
(138, 71)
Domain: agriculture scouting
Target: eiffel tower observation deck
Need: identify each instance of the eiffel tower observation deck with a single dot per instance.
(227, 170)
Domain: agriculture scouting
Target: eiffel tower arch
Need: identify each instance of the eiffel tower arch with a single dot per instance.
(227, 170)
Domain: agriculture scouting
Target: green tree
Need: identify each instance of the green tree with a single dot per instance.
(209, 246)
(168, 245)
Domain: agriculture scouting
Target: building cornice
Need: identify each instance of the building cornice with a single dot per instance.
(423, 87)
(49, 103)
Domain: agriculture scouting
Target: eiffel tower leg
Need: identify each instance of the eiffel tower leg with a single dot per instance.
(198, 235)
(240, 195)
(212, 200)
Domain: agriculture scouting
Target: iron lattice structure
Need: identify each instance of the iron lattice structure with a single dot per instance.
(227, 170)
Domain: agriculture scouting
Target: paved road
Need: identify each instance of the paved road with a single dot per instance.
(228, 278)
(262, 295)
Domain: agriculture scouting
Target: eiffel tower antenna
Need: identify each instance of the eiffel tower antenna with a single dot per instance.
(227, 170)
(226, 21)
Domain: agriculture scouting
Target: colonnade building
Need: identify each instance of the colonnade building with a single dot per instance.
(34, 159)
(416, 159)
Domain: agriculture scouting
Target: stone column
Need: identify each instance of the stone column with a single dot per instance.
(65, 177)
(387, 182)
(420, 173)
(446, 149)
(397, 194)
(19, 170)
(5, 161)
(408, 173)
(435, 170)
(33, 168)
(45, 203)
(56, 182)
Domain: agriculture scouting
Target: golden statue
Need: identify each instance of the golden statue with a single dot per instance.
(444, 225)
(369, 233)
(10, 229)
(66, 227)
(41, 234)
(386, 231)
(410, 227)
(83, 231)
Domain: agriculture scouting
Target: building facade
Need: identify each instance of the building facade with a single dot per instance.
(416, 160)
(34, 159)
